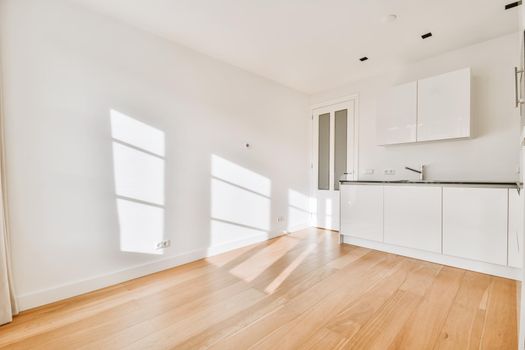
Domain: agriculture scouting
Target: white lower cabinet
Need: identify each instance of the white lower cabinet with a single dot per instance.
(362, 211)
(412, 217)
(515, 229)
(475, 223)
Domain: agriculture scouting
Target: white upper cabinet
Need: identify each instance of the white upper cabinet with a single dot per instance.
(444, 106)
(396, 117)
(434, 108)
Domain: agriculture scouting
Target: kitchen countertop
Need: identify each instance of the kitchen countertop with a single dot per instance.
(434, 182)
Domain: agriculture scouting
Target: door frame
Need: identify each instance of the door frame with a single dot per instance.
(352, 104)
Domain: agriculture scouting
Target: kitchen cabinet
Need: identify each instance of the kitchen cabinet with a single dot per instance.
(434, 108)
(412, 217)
(443, 108)
(475, 223)
(515, 238)
(362, 211)
(396, 117)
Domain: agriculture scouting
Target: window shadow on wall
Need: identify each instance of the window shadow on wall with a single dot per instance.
(138, 169)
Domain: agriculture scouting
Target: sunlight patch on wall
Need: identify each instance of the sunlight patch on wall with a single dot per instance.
(324, 212)
(141, 226)
(227, 232)
(138, 168)
(240, 202)
(239, 206)
(138, 175)
(137, 133)
(233, 173)
(298, 209)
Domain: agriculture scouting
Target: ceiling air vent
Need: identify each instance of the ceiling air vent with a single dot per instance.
(427, 35)
(362, 59)
(512, 4)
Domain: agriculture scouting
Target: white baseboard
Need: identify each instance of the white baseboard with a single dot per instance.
(467, 264)
(298, 228)
(68, 290)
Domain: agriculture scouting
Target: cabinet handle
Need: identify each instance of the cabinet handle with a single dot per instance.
(517, 98)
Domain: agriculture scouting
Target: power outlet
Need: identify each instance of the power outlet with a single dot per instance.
(390, 172)
(369, 172)
(163, 244)
(280, 219)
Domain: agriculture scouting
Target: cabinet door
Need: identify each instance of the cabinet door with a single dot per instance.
(396, 115)
(515, 229)
(475, 223)
(413, 217)
(444, 106)
(362, 211)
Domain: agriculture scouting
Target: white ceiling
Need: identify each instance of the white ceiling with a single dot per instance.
(314, 45)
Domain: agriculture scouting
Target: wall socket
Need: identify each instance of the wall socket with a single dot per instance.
(390, 172)
(280, 219)
(369, 172)
(163, 244)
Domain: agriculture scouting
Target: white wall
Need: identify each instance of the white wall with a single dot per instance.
(492, 154)
(65, 69)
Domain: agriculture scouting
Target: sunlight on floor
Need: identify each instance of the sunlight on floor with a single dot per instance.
(289, 269)
(252, 267)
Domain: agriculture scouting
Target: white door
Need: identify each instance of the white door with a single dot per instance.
(334, 153)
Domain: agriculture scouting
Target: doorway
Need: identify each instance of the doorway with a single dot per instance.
(334, 154)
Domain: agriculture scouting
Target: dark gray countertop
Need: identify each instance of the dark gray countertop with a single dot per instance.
(434, 182)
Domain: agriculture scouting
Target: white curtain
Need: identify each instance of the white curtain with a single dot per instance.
(8, 306)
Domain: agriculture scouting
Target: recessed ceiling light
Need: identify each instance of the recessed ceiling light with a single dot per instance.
(427, 35)
(389, 18)
(362, 59)
(512, 5)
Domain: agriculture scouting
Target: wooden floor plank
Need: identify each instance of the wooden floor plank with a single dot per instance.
(464, 324)
(324, 339)
(300, 291)
(300, 303)
(292, 334)
(381, 330)
(350, 319)
(500, 328)
(424, 326)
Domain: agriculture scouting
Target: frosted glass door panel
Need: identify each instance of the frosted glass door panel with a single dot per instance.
(340, 145)
(323, 179)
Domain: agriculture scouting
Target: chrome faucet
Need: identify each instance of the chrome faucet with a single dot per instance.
(421, 171)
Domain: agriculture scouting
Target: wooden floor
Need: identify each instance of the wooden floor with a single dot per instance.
(301, 291)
